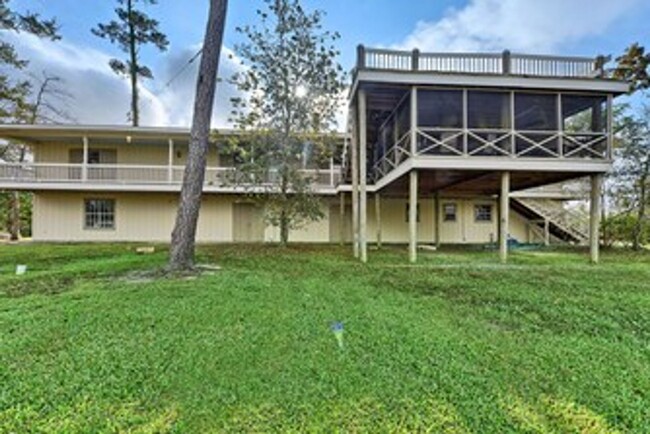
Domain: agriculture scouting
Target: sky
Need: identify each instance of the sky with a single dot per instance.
(567, 27)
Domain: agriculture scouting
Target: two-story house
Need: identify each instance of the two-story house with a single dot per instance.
(451, 148)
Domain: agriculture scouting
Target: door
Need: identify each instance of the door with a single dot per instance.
(248, 223)
(102, 157)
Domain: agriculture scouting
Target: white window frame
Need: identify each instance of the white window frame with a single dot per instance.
(101, 216)
(477, 213)
(444, 212)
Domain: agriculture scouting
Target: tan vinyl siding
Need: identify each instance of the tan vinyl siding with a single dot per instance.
(146, 155)
(314, 232)
(59, 216)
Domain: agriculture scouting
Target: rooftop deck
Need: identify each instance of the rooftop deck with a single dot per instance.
(505, 63)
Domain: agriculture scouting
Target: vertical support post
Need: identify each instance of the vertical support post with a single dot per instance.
(84, 164)
(465, 123)
(413, 216)
(547, 232)
(342, 218)
(610, 125)
(504, 211)
(355, 183)
(378, 218)
(361, 57)
(599, 66)
(560, 126)
(594, 217)
(436, 218)
(414, 121)
(170, 162)
(512, 120)
(363, 177)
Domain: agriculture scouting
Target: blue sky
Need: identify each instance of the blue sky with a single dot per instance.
(582, 27)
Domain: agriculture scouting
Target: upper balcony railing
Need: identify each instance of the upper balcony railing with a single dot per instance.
(116, 175)
(505, 63)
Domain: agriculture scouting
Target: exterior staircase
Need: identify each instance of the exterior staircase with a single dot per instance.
(564, 224)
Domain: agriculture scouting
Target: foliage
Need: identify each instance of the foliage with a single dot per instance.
(620, 230)
(25, 208)
(15, 104)
(132, 30)
(631, 187)
(459, 343)
(292, 88)
(13, 93)
(633, 67)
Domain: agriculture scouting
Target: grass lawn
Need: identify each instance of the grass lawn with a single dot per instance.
(460, 343)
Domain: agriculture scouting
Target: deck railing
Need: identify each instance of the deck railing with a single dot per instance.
(505, 63)
(140, 175)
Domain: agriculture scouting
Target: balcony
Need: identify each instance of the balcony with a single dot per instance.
(505, 63)
(473, 129)
(52, 176)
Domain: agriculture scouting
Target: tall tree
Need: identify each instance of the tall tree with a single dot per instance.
(632, 172)
(13, 93)
(181, 257)
(14, 105)
(633, 67)
(291, 93)
(132, 30)
(45, 105)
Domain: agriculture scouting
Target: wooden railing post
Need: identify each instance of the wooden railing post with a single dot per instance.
(361, 57)
(599, 66)
(170, 161)
(506, 62)
(415, 60)
(84, 162)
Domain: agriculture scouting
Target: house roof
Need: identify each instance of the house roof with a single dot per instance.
(60, 133)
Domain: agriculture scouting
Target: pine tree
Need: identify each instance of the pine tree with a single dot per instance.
(132, 30)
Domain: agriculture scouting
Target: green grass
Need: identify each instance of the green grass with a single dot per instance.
(459, 343)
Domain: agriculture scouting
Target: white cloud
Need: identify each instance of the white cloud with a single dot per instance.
(101, 97)
(178, 96)
(540, 26)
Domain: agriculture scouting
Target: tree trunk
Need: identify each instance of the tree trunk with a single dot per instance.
(184, 234)
(133, 68)
(640, 218)
(14, 204)
(14, 216)
(284, 229)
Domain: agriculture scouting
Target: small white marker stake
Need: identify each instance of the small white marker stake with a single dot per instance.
(21, 269)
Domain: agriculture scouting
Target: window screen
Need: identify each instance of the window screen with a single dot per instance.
(490, 110)
(440, 108)
(535, 112)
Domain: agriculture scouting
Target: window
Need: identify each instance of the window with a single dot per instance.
(489, 110)
(440, 108)
(449, 212)
(94, 157)
(99, 214)
(482, 213)
(417, 213)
